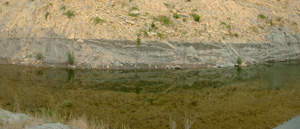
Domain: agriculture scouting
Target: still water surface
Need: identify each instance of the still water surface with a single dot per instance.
(262, 96)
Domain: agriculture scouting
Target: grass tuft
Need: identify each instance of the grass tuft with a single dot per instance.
(70, 57)
(196, 17)
(98, 20)
(69, 14)
(46, 15)
(175, 15)
(164, 20)
(39, 56)
(239, 61)
(6, 3)
(262, 16)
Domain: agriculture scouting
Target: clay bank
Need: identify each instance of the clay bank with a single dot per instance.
(157, 34)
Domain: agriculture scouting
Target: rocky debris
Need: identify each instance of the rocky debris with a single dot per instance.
(8, 119)
(151, 34)
(51, 126)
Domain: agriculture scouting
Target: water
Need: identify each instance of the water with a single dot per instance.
(263, 96)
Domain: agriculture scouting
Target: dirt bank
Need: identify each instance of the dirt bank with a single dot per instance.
(148, 33)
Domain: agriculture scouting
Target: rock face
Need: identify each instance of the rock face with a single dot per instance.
(103, 34)
(101, 53)
(8, 118)
(50, 126)
(20, 120)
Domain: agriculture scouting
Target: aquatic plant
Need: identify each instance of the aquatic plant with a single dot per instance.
(70, 57)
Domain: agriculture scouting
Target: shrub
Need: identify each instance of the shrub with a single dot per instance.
(239, 61)
(70, 57)
(184, 19)
(278, 19)
(164, 20)
(138, 41)
(133, 15)
(63, 8)
(262, 16)
(196, 17)
(69, 14)
(46, 15)
(39, 56)
(153, 25)
(175, 15)
(98, 20)
(6, 3)
(134, 8)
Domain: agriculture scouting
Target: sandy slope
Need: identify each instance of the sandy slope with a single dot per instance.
(26, 18)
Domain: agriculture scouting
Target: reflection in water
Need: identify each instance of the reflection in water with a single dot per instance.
(264, 95)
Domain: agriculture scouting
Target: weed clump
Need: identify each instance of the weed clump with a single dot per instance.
(63, 8)
(262, 16)
(6, 3)
(175, 15)
(70, 57)
(69, 14)
(133, 15)
(196, 17)
(39, 56)
(239, 61)
(164, 20)
(46, 15)
(98, 20)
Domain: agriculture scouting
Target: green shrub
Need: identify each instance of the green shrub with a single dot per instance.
(239, 61)
(6, 3)
(63, 8)
(278, 19)
(175, 15)
(98, 20)
(39, 56)
(46, 15)
(138, 41)
(69, 14)
(153, 25)
(196, 17)
(164, 20)
(70, 57)
(184, 19)
(134, 8)
(294, 24)
(133, 15)
(262, 16)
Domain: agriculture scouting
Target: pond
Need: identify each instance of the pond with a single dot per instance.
(262, 96)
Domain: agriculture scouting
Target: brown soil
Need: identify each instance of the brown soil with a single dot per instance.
(23, 18)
